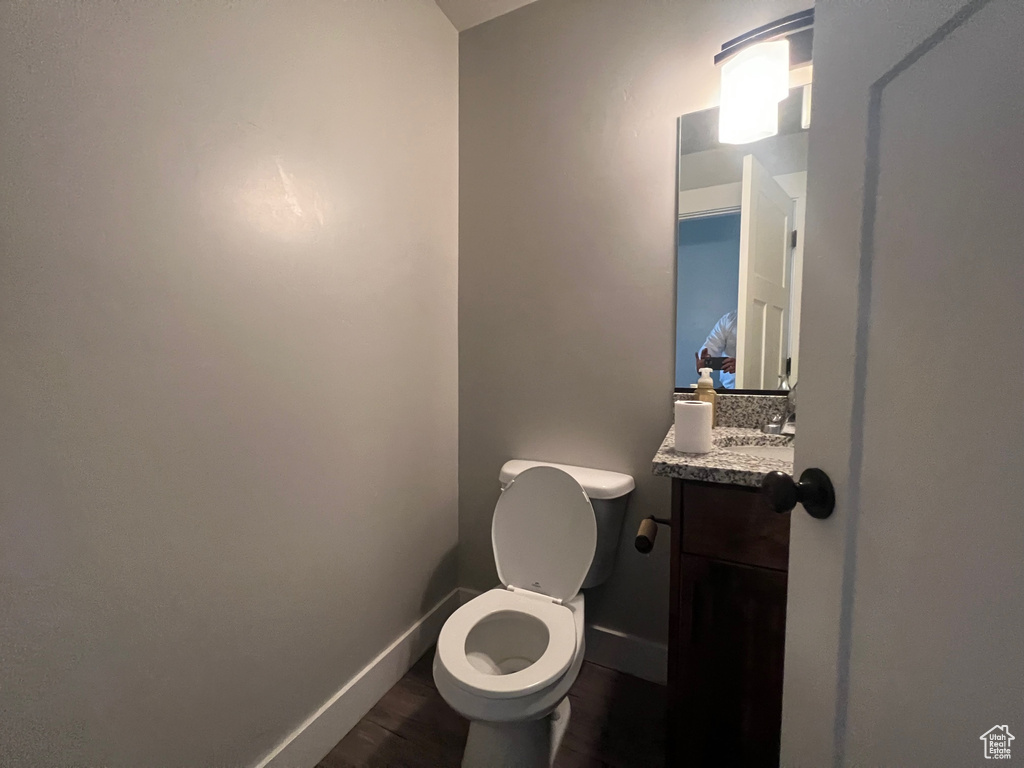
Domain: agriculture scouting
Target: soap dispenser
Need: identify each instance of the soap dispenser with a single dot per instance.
(784, 379)
(706, 393)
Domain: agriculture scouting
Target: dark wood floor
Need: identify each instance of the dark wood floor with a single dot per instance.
(617, 721)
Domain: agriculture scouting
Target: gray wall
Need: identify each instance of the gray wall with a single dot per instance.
(567, 123)
(227, 241)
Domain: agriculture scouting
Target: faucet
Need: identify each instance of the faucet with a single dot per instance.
(778, 424)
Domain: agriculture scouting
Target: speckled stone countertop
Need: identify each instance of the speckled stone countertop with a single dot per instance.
(721, 466)
(743, 410)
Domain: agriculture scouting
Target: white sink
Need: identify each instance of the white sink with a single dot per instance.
(781, 452)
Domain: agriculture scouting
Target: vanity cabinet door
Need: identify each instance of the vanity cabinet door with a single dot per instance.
(729, 656)
(735, 524)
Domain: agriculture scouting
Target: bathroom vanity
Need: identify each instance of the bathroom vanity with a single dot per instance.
(728, 612)
(741, 209)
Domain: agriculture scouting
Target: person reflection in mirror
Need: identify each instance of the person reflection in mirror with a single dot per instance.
(721, 342)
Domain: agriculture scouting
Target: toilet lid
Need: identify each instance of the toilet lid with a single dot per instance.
(544, 533)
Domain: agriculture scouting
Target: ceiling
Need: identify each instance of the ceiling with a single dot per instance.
(468, 13)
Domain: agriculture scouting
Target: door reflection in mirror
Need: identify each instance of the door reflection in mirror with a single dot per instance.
(739, 253)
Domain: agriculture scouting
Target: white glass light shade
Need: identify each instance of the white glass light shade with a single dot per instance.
(754, 81)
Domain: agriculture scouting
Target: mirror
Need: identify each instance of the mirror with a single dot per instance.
(739, 251)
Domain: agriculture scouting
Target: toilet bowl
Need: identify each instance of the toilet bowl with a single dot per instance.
(532, 692)
(507, 659)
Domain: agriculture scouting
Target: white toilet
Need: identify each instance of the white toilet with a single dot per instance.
(506, 659)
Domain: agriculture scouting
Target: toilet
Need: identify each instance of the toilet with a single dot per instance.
(506, 659)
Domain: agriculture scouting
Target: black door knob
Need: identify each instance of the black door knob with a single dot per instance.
(814, 491)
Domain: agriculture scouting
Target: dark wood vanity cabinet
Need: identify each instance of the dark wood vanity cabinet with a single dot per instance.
(728, 622)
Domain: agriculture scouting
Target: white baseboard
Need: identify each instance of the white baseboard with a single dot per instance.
(310, 742)
(616, 650)
(630, 654)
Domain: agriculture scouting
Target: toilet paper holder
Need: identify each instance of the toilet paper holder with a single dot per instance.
(647, 533)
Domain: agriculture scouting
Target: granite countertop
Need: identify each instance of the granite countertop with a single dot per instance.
(721, 466)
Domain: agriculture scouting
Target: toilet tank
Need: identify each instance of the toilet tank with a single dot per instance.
(608, 493)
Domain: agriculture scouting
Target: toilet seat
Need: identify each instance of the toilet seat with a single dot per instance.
(552, 664)
(544, 533)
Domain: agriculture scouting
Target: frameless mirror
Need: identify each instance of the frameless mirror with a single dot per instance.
(739, 251)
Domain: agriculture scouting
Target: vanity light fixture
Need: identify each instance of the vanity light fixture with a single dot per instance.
(754, 81)
(755, 77)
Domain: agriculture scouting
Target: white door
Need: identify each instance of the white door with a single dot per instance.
(795, 185)
(905, 627)
(766, 216)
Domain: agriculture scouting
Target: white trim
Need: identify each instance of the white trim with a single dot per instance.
(706, 201)
(801, 75)
(310, 742)
(626, 653)
(616, 650)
